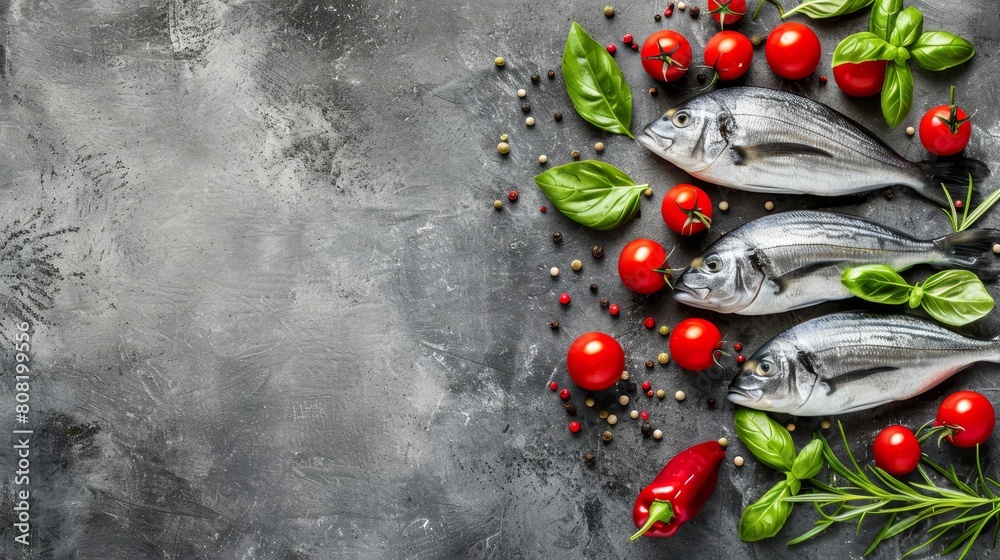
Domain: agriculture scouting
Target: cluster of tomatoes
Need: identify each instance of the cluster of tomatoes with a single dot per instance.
(964, 419)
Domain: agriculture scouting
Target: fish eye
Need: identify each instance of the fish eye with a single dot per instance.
(764, 368)
(713, 263)
(681, 119)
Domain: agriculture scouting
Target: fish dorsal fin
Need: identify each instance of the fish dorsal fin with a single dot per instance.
(782, 282)
(853, 376)
(745, 155)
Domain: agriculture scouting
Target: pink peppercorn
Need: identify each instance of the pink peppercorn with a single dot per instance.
(649, 322)
(553, 386)
(611, 48)
(574, 426)
(564, 298)
(564, 394)
(741, 359)
(614, 309)
(644, 415)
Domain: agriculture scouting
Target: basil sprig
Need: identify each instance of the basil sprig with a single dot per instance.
(897, 35)
(772, 445)
(953, 297)
(592, 193)
(818, 9)
(594, 83)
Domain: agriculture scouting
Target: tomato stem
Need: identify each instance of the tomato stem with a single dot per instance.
(659, 510)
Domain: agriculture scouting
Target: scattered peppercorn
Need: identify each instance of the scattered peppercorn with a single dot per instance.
(557, 116)
(669, 10)
(738, 461)
(607, 436)
(535, 78)
(910, 131)
(604, 302)
(625, 375)
(724, 205)
(543, 159)
(564, 394)
(503, 148)
(614, 309)
(612, 419)
(597, 251)
(590, 459)
(822, 80)
(680, 396)
(769, 205)
(649, 322)
(646, 385)
(653, 91)
(627, 38)
(644, 415)
(635, 46)
(589, 401)
(530, 121)
(649, 364)
(570, 408)
(648, 192)
(504, 137)
(564, 298)
(649, 393)
(741, 359)
(599, 146)
(701, 78)
(497, 204)
(661, 394)
(574, 426)
(631, 387)
(609, 11)
(959, 204)
(593, 288)
(711, 403)
(554, 271)
(553, 386)
(664, 330)
(825, 424)
(657, 17)
(512, 196)
(681, 6)
(694, 12)
(889, 193)
(623, 400)
(522, 92)
(576, 264)
(646, 429)
(554, 324)
(525, 107)
(556, 236)
(790, 427)
(543, 209)
(634, 414)
(612, 48)
(552, 74)
(663, 358)
(500, 61)
(738, 347)
(723, 442)
(603, 414)
(657, 434)
(996, 248)
(575, 154)
(756, 40)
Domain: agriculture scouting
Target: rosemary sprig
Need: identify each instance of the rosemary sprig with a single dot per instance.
(956, 507)
(966, 221)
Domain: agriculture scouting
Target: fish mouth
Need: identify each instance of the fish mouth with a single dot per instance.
(739, 395)
(654, 142)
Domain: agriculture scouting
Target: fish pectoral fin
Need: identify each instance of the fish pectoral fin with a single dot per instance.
(852, 376)
(745, 155)
(782, 281)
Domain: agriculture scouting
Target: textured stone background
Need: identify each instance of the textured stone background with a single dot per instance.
(274, 314)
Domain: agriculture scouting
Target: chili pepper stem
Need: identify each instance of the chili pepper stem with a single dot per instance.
(659, 510)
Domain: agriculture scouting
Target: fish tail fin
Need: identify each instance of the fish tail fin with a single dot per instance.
(953, 174)
(971, 249)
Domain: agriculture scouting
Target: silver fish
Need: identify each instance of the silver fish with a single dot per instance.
(764, 140)
(795, 259)
(846, 362)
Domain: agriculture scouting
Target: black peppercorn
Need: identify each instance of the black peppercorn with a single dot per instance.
(889, 194)
(557, 116)
(647, 430)
(657, 17)
(649, 364)
(653, 91)
(570, 408)
(711, 403)
(526, 107)
(552, 74)
(554, 324)
(556, 236)
(535, 78)
(605, 302)
(593, 288)
(631, 387)
(694, 11)
(597, 251)
(590, 459)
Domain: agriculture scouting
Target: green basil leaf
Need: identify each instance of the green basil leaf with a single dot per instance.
(883, 17)
(909, 26)
(862, 47)
(592, 193)
(876, 282)
(938, 50)
(594, 83)
(956, 297)
(897, 93)
(817, 9)
(809, 461)
(768, 440)
(765, 517)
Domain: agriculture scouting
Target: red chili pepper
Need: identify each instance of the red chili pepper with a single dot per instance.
(678, 492)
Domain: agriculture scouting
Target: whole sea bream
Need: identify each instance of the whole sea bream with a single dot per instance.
(795, 259)
(846, 362)
(770, 141)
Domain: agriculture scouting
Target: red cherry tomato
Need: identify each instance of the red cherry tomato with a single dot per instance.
(595, 361)
(863, 79)
(896, 450)
(642, 266)
(792, 51)
(666, 55)
(969, 416)
(729, 53)
(687, 209)
(694, 343)
(727, 12)
(945, 130)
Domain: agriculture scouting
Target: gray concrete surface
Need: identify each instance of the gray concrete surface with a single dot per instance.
(273, 314)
